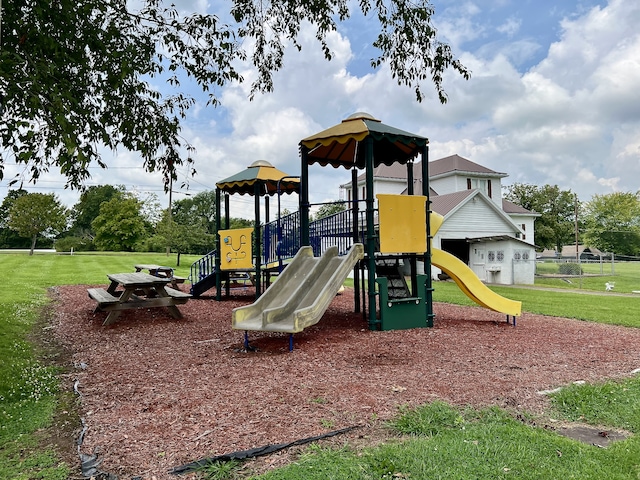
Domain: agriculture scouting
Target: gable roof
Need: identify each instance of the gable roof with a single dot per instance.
(441, 167)
(458, 164)
(515, 209)
(447, 205)
(443, 204)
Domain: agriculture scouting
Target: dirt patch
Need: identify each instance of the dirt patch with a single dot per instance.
(597, 436)
(159, 393)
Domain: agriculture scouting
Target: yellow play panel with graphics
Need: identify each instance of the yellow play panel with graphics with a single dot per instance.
(235, 249)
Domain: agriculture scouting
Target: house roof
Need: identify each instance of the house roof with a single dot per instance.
(447, 205)
(514, 209)
(440, 167)
(498, 238)
(458, 164)
(443, 204)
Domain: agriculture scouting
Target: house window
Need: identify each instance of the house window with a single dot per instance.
(482, 184)
(491, 256)
(524, 229)
(500, 255)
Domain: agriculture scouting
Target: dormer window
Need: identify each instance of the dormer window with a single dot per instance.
(482, 184)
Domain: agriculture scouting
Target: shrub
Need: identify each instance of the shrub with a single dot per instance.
(570, 269)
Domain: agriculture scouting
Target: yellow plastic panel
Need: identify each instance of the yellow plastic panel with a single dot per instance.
(472, 286)
(235, 249)
(436, 221)
(403, 223)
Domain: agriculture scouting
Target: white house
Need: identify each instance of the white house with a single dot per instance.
(493, 236)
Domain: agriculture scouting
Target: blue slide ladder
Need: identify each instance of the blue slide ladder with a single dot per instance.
(203, 274)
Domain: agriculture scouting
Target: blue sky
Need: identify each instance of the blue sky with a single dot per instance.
(554, 98)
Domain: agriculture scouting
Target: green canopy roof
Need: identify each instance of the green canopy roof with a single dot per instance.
(340, 145)
(263, 173)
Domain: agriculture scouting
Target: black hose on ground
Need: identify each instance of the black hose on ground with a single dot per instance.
(254, 452)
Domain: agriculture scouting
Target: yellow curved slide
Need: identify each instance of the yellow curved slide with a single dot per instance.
(472, 286)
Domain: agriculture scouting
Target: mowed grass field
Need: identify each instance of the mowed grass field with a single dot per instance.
(439, 441)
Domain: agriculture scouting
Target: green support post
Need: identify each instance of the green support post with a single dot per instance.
(427, 256)
(304, 197)
(371, 239)
(256, 236)
(217, 247)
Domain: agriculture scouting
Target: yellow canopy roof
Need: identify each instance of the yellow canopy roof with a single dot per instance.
(341, 145)
(263, 173)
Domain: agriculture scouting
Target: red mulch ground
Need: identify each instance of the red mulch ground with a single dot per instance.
(158, 393)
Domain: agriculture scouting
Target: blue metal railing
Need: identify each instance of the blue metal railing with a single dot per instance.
(334, 230)
(281, 240)
(203, 267)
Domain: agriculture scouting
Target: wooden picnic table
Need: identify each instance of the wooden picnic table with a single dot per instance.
(160, 271)
(136, 290)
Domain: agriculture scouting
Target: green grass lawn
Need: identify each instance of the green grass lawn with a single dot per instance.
(596, 308)
(442, 442)
(625, 276)
(433, 441)
(28, 386)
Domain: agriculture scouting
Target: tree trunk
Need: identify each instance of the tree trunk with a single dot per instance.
(178, 260)
(33, 244)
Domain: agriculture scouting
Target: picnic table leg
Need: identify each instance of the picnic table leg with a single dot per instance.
(114, 314)
(112, 288)
(173, 310)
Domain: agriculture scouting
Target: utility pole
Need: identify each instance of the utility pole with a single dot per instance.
(577, 249)
(170, 215)
(576, 228)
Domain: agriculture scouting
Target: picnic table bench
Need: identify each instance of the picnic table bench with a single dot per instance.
(136, 290)
(161, 271)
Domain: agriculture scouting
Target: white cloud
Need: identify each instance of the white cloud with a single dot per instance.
(570, 120)
(510, 27)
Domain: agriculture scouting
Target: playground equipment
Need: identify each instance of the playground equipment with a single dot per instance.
(472, 286)
(401, 230)
(260, 179)
(300, 295)
(380, 244)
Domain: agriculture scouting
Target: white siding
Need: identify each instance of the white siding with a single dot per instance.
(457, 183)
(380, 185)
(527, 224)
(475, 219)
(446, 185)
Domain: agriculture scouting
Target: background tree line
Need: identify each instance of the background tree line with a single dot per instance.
(609, 222)
(108, 218)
